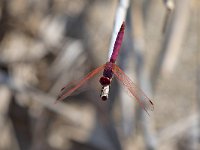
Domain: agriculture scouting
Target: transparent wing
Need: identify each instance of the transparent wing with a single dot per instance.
(140, 96)
(66, 91)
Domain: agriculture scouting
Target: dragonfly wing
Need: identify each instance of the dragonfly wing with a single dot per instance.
(140, 96)
(65, 91)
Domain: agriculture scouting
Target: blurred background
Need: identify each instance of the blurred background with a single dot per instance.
(47, 44)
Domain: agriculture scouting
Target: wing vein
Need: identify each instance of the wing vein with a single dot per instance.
(140, 96)
(65, 94)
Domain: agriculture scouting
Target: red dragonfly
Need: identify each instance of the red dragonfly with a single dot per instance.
(109, 69)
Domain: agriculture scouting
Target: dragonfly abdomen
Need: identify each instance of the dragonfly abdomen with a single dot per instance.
(117, 44)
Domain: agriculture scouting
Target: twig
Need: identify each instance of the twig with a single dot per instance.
(170, 5)
(142, 74)
(174, 36)
(69, 113)
(171, 46)
(119, 18)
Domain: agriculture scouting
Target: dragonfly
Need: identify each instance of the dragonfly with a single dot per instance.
(110, 69)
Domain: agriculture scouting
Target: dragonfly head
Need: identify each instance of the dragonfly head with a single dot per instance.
(105, 81)
(104, 98)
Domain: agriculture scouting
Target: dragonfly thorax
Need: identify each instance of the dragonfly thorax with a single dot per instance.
(107, 74)
(108, 70)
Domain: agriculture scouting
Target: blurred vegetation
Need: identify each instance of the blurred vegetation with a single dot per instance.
(45, 44)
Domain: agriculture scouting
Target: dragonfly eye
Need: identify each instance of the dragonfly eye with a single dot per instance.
(104, 98)
(105, 81)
